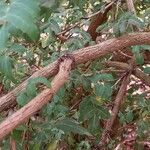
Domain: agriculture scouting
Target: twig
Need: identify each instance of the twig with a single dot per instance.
(100, 11)
(126, 55)
(68, 29)
(39, 101)
(112, 70)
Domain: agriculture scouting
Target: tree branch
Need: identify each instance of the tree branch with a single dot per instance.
(81, 56)
(117, 103)
(38, 102)
(137, 72)
(130, 6)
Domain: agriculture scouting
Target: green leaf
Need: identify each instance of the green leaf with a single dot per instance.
(102, 27)
(103, 90)
(90, 110)
(86, 109)
(31, 90)
(103, 77)
(36, 146)
(31, 87)
(22, 99)
(145, 47)
(3, 8)
(20, 49)
(50, 39)
(94, 123)
(6, 67)
(40, 80)
(139, 58)
(126, 19)
(75, 43)
(138, 55)
(4, 35)
(61, 93)
(122, 118)
(30, 7)
(70, 125)
(136, 22)
(147, 70)
(53, 145)
(102, 112)
(116, 30)
(86, 83)
(51, 4)
(22, 15)
(136, 49)
(142, 126)
(86, 36)
(54, 26)
(23, 24)
(122, 26)
(129, 116)
(16, 135)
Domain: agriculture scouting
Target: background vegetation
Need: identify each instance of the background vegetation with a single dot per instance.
(35, 33)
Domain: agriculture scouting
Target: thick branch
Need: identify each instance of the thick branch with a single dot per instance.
(81, 56)
(117, 103)
(137, 72)
(37, 103)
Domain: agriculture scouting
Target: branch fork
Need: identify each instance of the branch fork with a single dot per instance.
(39, 101)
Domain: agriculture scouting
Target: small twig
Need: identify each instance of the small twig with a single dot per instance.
(100, 11)
(120, 79)
(122, 53)
(68, 29)
(112, 70)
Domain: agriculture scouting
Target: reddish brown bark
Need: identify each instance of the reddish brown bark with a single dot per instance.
(81, 56)
(37, 103)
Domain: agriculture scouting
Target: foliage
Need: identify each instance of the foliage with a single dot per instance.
(30, 91)
(30, 33)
